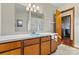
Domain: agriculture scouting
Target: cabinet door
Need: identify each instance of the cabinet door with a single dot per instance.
(13, 52)
(9, 46)
(45, 48)
(53, 45)
(32, 50)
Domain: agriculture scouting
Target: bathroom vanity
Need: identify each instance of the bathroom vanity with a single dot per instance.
(34, 45)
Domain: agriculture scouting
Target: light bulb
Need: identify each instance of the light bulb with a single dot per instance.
(34, 10)
(37, 7)
(29, 5)
(33, 6)
(27, 8)
(20, 22)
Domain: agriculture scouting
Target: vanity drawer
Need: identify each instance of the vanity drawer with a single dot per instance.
(45, 38)
(9, 45)
(31, 41)
(12, 52)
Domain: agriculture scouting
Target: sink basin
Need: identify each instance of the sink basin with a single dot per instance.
(35, 34)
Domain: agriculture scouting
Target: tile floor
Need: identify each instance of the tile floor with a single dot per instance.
(66, 50)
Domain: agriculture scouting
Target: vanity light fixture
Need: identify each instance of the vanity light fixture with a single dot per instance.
(33, 8)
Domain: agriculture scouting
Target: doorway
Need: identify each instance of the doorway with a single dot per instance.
(66, 34)
(66, 30)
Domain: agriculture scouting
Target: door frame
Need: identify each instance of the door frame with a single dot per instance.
(69, 23)
(73, 9)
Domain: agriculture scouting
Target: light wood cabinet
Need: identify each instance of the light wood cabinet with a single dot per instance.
(31, 41)
(33, 46)
(45, 48)
(32, 50)
(53, 45)
(9, 45)
(45, 38)
(13, 52)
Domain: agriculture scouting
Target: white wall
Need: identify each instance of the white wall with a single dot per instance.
(7, 19)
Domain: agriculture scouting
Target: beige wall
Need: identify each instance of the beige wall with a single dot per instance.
(7, 19)
(0, 19)
(49, 10)
(24, 17)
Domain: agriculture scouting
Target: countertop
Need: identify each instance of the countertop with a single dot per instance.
(9, 38)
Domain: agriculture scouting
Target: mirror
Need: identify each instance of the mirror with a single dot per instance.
(22, 20)
(37, 22)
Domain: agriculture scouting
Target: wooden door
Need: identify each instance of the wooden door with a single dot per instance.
(58, 24)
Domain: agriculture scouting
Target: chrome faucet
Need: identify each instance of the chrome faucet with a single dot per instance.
(34, 30)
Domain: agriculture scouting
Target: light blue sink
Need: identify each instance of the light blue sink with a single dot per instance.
(35, 34)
